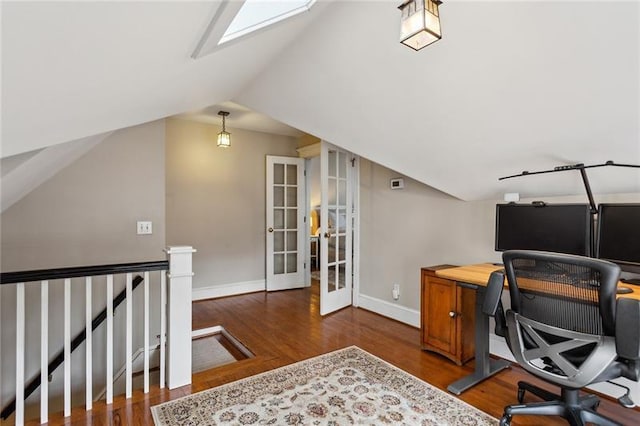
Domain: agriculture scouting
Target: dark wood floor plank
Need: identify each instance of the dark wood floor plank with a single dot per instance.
(285, 327)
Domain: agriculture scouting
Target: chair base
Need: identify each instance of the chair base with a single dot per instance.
(588, 401)
(577, 411)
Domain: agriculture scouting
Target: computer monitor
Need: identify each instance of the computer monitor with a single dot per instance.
(619, 235)
(560, 228)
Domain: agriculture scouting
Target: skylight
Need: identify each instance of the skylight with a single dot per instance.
(257, 14)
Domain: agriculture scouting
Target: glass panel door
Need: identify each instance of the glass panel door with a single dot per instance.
(285, 223)
(336, 223)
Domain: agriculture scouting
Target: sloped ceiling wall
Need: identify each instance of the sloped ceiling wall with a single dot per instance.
(76, 69)
(512, 86)
(39, 166)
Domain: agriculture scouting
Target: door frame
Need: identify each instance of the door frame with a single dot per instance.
(307, 222)
(355, 296)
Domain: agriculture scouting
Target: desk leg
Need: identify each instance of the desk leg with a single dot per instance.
(485, 366)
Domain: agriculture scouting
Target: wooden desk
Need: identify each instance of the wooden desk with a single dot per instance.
(470, 274)
(478, 275)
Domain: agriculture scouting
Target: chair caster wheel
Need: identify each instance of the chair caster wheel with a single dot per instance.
(520, 396)
(505, 420)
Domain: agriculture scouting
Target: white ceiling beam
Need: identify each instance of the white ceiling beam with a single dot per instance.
(224, 14)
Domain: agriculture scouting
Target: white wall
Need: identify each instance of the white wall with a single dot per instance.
(95, 202)
(84, 215)
(404, 230)
(216, 201)
(468, 109)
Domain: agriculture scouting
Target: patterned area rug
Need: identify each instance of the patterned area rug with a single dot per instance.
(348, 386)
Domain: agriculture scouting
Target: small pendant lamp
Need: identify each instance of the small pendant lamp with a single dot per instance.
(224, 137)
(419, 23)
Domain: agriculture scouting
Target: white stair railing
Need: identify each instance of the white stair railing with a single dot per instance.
(177, 294)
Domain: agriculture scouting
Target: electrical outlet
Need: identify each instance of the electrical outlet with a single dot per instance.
(396, 291)
(145, 227)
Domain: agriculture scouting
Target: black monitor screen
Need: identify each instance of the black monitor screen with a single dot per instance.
(560, 228)
(619, 233)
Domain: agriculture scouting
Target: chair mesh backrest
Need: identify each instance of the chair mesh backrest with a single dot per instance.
(569, 292)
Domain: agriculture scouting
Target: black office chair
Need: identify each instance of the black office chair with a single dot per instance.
(565, 327)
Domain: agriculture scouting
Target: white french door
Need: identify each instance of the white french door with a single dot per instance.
(285, 209)
(337, 170)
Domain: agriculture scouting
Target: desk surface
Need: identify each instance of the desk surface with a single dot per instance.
(479, 274)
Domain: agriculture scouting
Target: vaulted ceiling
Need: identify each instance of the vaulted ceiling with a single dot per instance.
(512, 86)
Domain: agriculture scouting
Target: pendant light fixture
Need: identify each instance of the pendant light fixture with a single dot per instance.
(419, 23)
(224, 137)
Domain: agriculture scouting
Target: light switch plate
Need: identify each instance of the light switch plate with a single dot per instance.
(145, 227)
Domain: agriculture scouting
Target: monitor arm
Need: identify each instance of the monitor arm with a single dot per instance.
(583, 173)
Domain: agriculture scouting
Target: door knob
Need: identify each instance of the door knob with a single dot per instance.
(453, 314)
(327, 235)
(270, 229)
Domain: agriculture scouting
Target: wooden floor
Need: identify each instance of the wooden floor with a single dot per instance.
(284, 327)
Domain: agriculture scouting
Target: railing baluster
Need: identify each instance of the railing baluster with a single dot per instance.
(20, 353)
(88, 315)
(163, 325)
(67, 347)
(109, 339)
(41, 380)
(44, 351)
(146, 331)
(129, 338)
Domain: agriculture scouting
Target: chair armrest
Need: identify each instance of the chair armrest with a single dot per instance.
(492, 305)
(493, 293)
(628, 328)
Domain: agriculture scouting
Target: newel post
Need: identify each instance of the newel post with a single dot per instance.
(179, 316)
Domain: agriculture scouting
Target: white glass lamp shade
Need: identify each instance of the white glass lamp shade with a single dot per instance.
(224, 139)
(419, 23)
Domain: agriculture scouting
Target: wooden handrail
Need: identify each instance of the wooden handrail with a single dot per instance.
(81, 271)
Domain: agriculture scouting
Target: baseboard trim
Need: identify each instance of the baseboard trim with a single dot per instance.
(390, 310)
(201, 332)
(224, 290)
